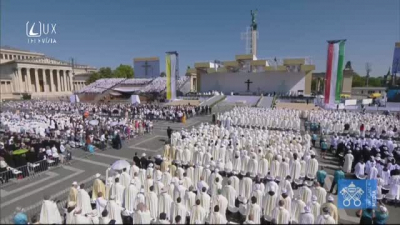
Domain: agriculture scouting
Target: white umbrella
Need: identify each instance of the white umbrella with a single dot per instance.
(120, 164)
(94, 122)
(114, 123)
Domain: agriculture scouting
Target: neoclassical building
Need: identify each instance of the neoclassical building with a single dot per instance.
(25, 72)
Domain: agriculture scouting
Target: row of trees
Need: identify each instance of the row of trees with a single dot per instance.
(122, 71)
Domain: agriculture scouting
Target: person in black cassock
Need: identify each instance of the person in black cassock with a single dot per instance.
(143, 161)
(136, 159)
(169, 133)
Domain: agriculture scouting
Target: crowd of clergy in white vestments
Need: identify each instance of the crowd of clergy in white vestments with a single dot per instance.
(242, 170)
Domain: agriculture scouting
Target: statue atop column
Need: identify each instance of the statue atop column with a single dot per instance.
(253, 19)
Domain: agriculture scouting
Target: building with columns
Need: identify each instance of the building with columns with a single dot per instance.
(24, 72)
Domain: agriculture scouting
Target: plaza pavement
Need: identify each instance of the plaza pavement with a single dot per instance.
(28, 192)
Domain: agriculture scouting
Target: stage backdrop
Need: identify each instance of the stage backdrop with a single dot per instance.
(146, 67)
(243, 82)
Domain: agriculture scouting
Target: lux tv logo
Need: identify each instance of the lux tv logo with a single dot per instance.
(36, 29)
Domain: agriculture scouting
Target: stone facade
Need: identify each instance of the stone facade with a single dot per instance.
(24, 72)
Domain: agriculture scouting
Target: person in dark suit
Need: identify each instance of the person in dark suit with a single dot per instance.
(136, 159)
(169, 133)
(143, 161)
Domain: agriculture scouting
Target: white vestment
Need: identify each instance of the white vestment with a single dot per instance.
(83, 201)
(197, 215)
(325, 219)
(230, 194)
(281, 215)
(165, 203)
(178, 209)
(306, 218)
(49, 213)
(114, 210)
(246, 185)
(142, 217)
(130, 197)
(101, 203)
(348, 162)
(125, 179)
(152, 204)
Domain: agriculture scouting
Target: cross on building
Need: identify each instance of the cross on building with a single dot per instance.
(248, 82)
(146, 67)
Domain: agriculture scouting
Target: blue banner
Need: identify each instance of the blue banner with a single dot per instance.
(357, 194)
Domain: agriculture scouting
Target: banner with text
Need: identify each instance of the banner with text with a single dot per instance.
(357, 194)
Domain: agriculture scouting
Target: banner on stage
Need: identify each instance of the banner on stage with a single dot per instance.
(357, 194)
(367, 101)
(170, 64)
(350, 102)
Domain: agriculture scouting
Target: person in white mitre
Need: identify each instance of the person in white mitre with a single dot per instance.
(118, 191)
(98, 186)
(125, 178)
(83, 201)
(229, 192)
(312, 167)
(73, 192)
(178, 208)
(246, 185)
(255, 210)
(325, 217)
(114, 210)
(297, 208)
(101, 203)
(216, 217)
(142, 216)
(197, 214)
(306, 217)
(270, 201)
(280, 214)
(348, 162)
(152, 203)
(314, 206)
(130, 196)
(165, 202)
(49, 213)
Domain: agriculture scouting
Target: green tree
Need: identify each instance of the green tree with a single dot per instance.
(358, 81)
(123, 71)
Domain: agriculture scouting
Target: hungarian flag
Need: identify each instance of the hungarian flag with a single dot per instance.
(334, 71)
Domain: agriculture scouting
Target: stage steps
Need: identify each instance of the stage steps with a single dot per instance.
(242, 100)
(211, 101)
(265, 102)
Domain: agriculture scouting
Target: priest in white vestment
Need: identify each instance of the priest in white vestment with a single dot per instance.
(315, 206)
(83, 201)
(197, 214)
(165, 203)
(114, 210)
(297, 208)
(73, 192)
(49, 213)
(325, 217)
(216, 217)
(312, 167)
(306, 217)
(130, 196)
(280, 215)
(255, 210)
(152, 203)
(117, 191)
(125, 178)
(205, 199)
(319, 192)
(270, 201)
(348, 162)
(178, 209)
(142, 216)
(230, 194)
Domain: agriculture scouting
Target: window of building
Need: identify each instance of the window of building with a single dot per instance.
(19, 57)
(1, 56)
(10, 56)
(6, 56)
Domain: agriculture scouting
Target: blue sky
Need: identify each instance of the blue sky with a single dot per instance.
(108, 33)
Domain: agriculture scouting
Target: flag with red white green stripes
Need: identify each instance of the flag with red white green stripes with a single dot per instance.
(334, 72)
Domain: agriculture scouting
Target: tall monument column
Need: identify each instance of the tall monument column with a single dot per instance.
(253, 32)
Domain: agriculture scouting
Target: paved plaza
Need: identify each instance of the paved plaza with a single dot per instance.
(29, 192)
